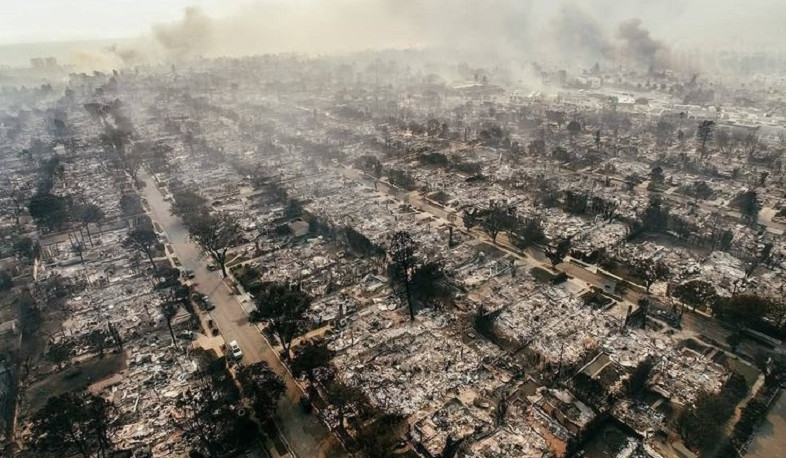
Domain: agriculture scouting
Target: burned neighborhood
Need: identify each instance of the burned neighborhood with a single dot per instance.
(534, 231)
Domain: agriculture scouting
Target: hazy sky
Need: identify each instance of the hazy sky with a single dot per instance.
(251, 26)
(25, 21)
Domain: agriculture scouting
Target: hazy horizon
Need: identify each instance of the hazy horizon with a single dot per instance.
(147, 31)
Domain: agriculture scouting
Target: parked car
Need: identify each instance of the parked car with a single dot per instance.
(213, 266)
(189, 274)
(202, 301)
(235, 351)
(213, 327)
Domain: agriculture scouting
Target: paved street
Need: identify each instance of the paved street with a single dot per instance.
(770, 441)
(306, 435)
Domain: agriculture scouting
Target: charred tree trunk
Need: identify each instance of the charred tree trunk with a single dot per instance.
(409, 295)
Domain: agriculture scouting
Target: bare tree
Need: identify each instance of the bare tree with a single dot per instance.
(751, 143)
(704, 134)
(723, 140)
(15, 204)
(664, 131)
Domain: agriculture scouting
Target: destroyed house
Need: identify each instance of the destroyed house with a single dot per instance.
(569, 412)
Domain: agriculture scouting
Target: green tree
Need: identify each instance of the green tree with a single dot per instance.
(649, 271)
(58, 354)
(188, 203)
(6, 280)
(557, 117)
(576, 202)
(215, 233)
(701, 426)
(378, 438)
(144, 240)
(206, 410)
(773, 366)
(498, 218)
(734, 340)
(699, 190)
(131, 205)
(557, 252)
(656, 216)
(527, 232)
(750, 205)
(431, 285)
(656, 174)
(50, 211)
(726, 238)
(312, 360)
(401, 250)
(88, 214)
(169, 309)
(696, 293)
(26, 248)
(574, 128)
(74, 423)
(259, 383)
(664, 131)
(294, 209)
(743, 309)
(537, 148)
(723, 140)
(284, 307)
(347, 400)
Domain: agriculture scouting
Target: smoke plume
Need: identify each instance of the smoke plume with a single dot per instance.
(567, 33)
(639, 45)
(189, 37)
(579, 36)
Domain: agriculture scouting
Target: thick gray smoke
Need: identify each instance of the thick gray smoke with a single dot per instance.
(579, 36)
(639, 45)
(569, 33)
(188, 37)
(193, 35)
